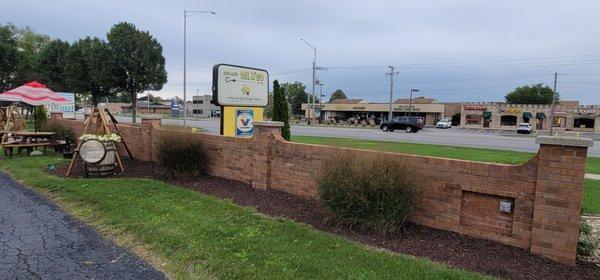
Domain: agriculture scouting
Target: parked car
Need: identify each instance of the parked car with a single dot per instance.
(409, 124)
(525, 128)
(444, 123)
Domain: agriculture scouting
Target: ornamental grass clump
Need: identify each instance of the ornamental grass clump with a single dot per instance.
(372, 191)
(180, 153)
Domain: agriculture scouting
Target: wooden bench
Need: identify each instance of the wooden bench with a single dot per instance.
(8, 148)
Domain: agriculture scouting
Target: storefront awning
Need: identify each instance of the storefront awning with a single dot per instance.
(540, 115)
(527, 115)
(487, 114)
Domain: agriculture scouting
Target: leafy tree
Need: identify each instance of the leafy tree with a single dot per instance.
(51, 63)
(9, 58)
(140, 64)
(337, 94)
(296, 95)
(281, 109)
(90, 68)
(30, 44)
(531, 94)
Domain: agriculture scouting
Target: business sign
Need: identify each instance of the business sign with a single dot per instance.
(244, 122)
(240, 86)
(175, 108)
(475, 108)
(67, 107)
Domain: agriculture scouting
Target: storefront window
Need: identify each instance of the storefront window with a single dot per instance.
(508, 120)
(559, 122)
(473, 119)
(584, 123)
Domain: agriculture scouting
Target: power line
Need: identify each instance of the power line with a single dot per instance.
(291, 72)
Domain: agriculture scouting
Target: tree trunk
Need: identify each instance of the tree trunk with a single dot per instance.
(133, 105)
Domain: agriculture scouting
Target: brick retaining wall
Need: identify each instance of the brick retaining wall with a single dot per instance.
(455, 195)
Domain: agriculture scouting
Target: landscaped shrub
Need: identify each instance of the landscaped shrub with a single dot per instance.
(370, 191)
(40, 115)
(586, 246)
(63, 132)
(180, 153)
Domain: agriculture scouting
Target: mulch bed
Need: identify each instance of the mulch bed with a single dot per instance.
(453, 249)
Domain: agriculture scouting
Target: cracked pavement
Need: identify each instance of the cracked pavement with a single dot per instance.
(40, 241)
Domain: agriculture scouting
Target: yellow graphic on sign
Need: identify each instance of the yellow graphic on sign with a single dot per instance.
(246, 90)
(240, 119)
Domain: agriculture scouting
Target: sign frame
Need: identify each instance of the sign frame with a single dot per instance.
(215, 85)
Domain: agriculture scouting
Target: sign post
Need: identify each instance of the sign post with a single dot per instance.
(242, 92)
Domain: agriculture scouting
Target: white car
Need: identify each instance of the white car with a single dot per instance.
(444, 123)
(525, 128)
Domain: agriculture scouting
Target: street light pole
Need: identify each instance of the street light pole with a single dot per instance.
(187, 13)
(311, 114)
(553, 105)
(410, 100)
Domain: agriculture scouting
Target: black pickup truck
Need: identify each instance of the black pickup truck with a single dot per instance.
(409, 124)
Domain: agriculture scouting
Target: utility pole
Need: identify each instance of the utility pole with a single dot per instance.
(391, 74)
(553, 105)
(410, 100)
(320, 99)
(311, 104)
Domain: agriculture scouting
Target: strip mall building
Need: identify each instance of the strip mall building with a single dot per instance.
(342, 109)
(568, 115)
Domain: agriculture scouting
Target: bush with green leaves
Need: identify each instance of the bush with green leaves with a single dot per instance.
(40, 116)
(372, 191)
(180, 153)
(62, 131)
(586, 245)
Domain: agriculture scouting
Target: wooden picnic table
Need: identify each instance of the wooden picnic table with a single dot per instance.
(28, 140)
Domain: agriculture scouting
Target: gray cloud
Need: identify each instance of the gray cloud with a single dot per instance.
(266, 34)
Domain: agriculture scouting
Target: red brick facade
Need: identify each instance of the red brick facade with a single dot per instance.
(544, 194)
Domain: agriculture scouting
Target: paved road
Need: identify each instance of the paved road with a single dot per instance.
(453, 136)
(39, 241)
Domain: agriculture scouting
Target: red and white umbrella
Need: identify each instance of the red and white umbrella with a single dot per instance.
(33, 93)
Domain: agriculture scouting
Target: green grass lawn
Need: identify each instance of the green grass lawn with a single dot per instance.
(591, 197)
(466, 153)
(202, 237)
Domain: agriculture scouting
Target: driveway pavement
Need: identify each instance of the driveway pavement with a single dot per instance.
(39, 241)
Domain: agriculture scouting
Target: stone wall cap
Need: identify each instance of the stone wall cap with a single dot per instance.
(564, 141)
(269, 124)
(151, 117)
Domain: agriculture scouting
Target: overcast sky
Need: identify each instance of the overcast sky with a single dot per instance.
(449, 50)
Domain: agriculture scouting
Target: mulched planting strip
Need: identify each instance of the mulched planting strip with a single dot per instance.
(450, 248)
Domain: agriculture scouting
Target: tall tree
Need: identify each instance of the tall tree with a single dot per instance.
(296, 95)
(9, 58)
(30, 45)
(337, 94)
(281, 109)
(140, 64)
(90, 68)
(50, 65)
(531, 94)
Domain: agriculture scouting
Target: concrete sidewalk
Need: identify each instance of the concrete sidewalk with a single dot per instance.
(592, 176)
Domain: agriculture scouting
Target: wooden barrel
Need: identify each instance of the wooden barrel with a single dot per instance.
(99, 158)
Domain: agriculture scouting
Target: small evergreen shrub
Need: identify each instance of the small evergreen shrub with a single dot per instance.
(370, 191)
(181, 153)
(40, 115)
(586, 246)
(63, 132)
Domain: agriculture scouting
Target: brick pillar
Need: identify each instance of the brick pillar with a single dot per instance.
(149, 126)
(56, 115)
(264, 136)
(558, 197)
